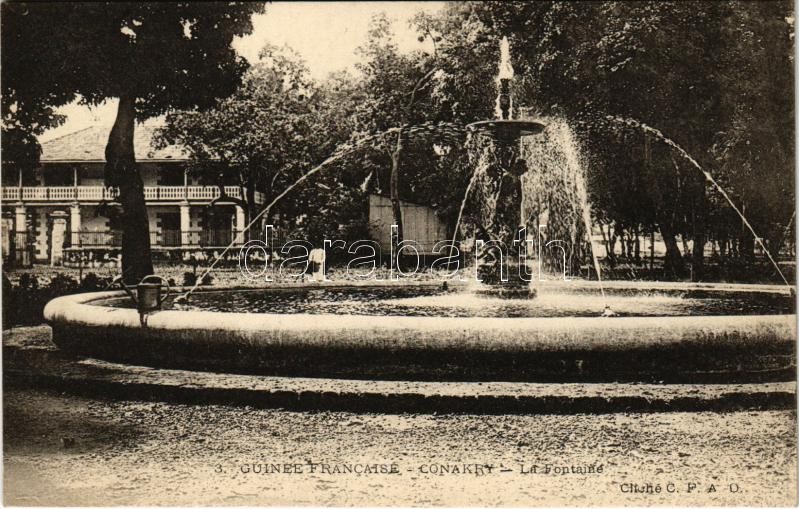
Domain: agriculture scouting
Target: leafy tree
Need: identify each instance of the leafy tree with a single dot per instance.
(275, 127)
(406, 95)
(20, 129)
(392, 96)
(755, 151)
(151, 56)
(27, 105)
(710, 89)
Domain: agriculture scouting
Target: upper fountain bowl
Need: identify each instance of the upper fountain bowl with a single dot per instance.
(507, 130)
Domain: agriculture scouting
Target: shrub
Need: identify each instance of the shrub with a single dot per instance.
(208, 280)
(8, 291)
(189, 278)
(61, 284)
(27, 300)
(93, 283)
(28, 282)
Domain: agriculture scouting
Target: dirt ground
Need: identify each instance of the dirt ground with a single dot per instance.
(62, 450)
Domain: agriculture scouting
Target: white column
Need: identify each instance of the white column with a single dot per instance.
(185, 223)
(75, 182)
(241, 222)
(7, 226)
(75, 224)
(21, 234)
(57, 236)
(20, 218)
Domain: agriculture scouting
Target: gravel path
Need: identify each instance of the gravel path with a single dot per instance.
(62, 450)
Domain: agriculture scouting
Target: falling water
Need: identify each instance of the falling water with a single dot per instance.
(668, 141)
(478, 169)
(572, 154)
(483, 156)
(549, 194)
(554, 186)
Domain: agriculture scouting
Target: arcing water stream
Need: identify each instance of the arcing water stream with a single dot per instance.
(482, 153)
(477, 169)
(554, 177)
(340, 152)
(668, 141)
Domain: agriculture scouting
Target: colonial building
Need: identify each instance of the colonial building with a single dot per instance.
(64, 212)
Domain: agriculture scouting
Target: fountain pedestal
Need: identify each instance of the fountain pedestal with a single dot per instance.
(500, 267)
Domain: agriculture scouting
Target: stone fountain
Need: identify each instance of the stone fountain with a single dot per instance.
(499, 228)
(662, 332)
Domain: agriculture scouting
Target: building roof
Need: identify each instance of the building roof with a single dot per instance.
(88, 145)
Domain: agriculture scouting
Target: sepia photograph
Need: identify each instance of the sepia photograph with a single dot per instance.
(403, 254)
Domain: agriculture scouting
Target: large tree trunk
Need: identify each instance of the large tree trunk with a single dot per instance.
(746, 247)
(121, 171)
(395, 200)
(674, 262)
(609, 249)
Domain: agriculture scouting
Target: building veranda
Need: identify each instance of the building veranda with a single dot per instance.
(64, 213)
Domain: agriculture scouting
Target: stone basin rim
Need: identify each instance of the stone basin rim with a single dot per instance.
(78, 310)
(629, 348)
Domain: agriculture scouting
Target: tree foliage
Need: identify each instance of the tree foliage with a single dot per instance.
(152, 56)
(714, 77)
(276, 126)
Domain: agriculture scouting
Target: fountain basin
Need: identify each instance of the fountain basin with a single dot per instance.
(507, 130)
(718, 348)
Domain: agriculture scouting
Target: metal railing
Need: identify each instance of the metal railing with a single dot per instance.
(164, 238)
(98, 239)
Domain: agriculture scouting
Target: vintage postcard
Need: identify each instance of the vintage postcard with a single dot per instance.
(399, 253)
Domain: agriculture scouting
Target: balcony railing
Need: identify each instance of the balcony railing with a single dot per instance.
(100, 193)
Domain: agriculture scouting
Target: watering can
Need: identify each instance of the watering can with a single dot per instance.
(148, 296)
